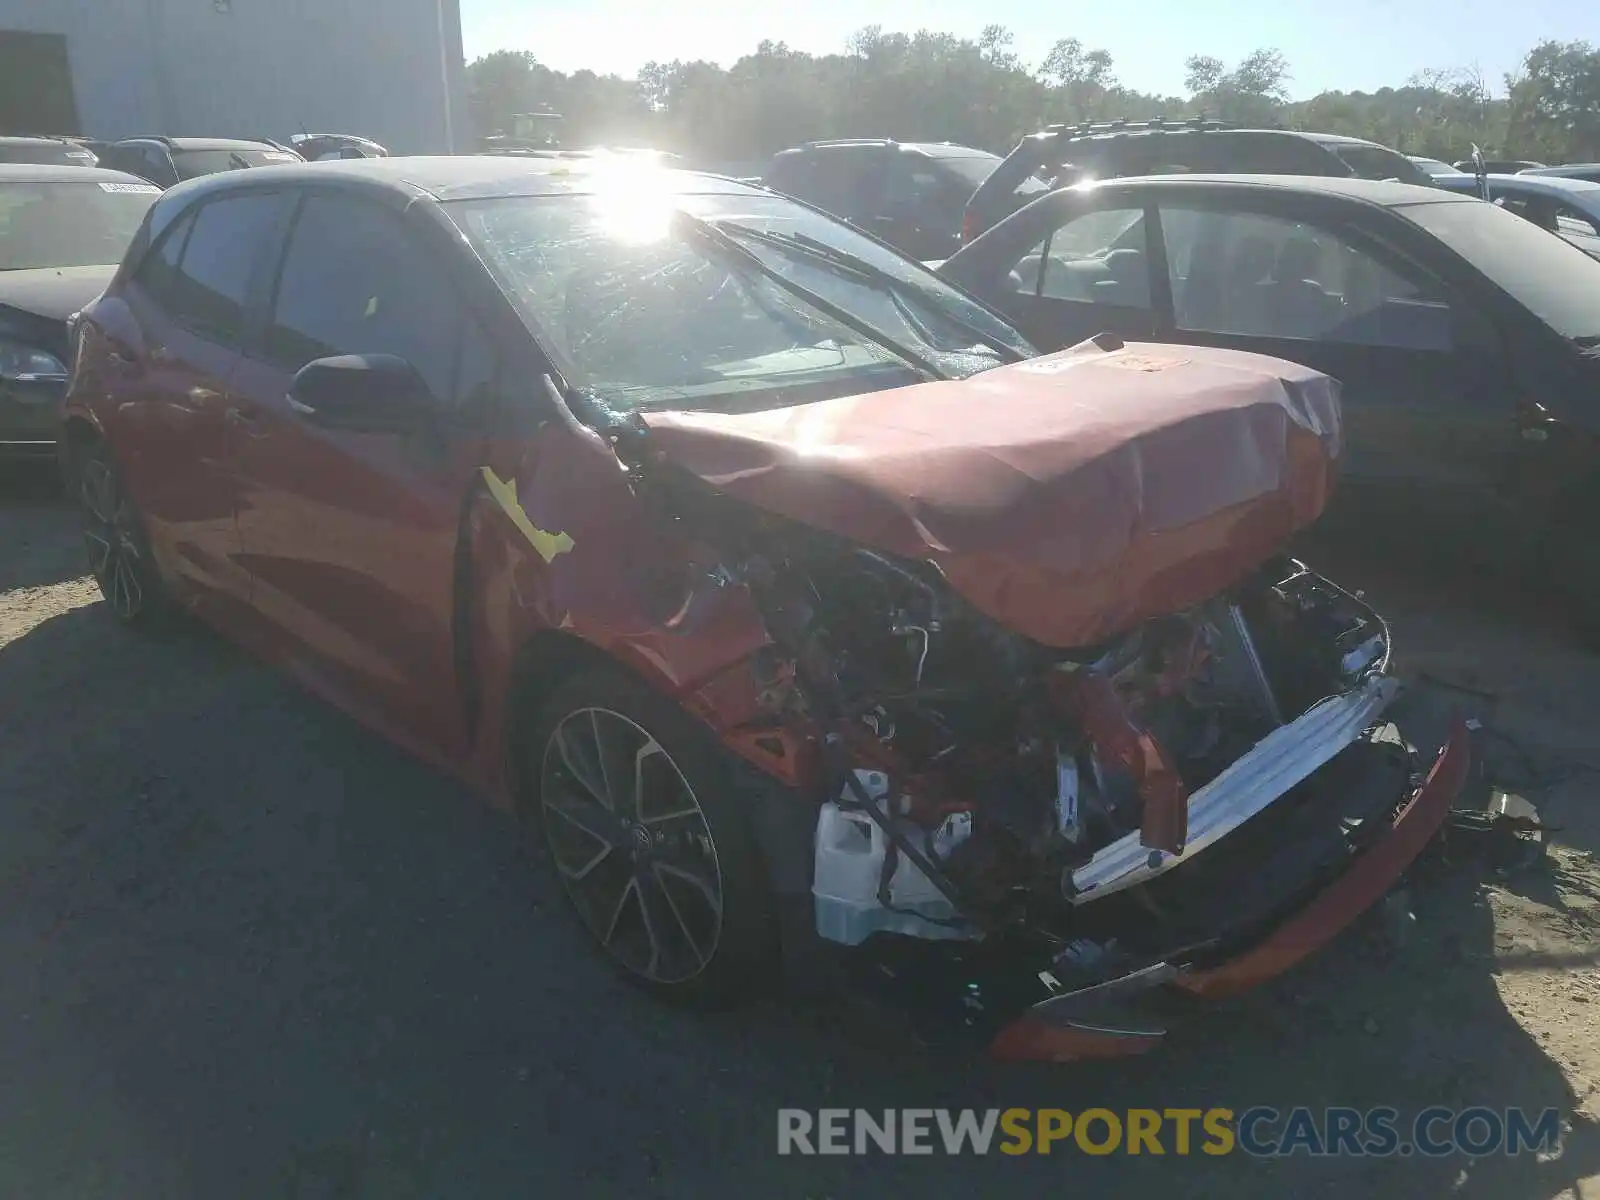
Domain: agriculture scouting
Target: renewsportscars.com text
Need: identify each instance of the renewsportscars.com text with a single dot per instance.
(1260, 1131)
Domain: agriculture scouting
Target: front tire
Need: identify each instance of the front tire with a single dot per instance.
(635, 804)
(119, 552)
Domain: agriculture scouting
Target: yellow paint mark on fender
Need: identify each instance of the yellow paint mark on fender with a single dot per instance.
(504, 491)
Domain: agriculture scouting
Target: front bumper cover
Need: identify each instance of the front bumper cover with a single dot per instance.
(1093, 1024)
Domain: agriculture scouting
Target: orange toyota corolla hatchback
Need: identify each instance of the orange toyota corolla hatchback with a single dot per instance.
(775, 584)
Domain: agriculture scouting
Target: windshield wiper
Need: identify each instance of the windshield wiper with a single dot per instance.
(870, 273)
(708, 232)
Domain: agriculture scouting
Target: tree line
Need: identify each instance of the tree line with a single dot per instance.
(931, 86)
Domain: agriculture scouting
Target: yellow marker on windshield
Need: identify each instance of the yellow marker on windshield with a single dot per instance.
(504, 491)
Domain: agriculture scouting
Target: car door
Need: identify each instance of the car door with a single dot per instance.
(1067, 267)
(189, 300)
(350, 537)
(1429, 409)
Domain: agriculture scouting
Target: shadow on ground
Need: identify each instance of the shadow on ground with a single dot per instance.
(252, 951)
(40, 542)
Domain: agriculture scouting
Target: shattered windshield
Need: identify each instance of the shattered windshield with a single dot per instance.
(641, 314)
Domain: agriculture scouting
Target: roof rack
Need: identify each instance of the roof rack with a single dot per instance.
(1130, 125)
(870, 141)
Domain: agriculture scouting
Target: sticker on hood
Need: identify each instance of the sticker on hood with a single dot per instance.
(130, 189)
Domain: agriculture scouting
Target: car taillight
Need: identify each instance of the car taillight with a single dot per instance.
(969, 226)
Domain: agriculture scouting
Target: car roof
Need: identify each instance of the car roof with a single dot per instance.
(946, 150)
(33, 139)
(469, 177)
(62, 173)
(931, 149)
(201, 143)
(1094, 133)
(1558, 187)
(1384, 193)
(1338, 139)
(1560, 172)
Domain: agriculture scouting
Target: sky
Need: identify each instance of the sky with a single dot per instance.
(1349, 45)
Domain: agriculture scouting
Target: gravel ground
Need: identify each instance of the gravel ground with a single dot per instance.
(253, 951)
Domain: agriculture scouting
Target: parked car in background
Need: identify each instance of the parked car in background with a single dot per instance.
(1433, 166)
(1068, 154)
(910, 194)
(45, 151)
(1585, 171)
(686, 521)
(1499, 166)
(166, 161)
(1465, 338)
(63, 231)
(1562, 205)
(318, 147)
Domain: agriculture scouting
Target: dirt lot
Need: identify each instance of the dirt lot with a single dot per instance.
(251, 951)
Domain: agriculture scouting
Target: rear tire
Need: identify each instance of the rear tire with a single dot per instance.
(119, 552)
(634, 803)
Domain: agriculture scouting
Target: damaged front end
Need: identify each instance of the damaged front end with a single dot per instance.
(1103, 823)
(1196, 799)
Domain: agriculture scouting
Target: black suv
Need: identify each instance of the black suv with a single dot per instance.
(910, 194)
(1066, 154)
(166, 161)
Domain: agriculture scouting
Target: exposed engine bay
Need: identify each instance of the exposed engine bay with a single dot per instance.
(978, 784)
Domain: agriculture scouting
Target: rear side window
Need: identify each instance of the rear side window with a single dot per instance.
(1379, 162)
(920, 185)
(354, 282)
(964, 171)
(847, 182)
(211, 285)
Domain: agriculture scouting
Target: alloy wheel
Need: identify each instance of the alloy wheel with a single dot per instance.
(110, 532)
(631, 844)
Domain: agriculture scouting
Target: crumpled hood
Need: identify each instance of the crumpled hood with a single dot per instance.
(1069, 497)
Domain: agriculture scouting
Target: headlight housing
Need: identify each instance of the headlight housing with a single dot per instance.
(22, 363)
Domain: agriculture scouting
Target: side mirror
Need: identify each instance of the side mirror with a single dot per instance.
(362, 393)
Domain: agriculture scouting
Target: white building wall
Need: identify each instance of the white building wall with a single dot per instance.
(387, 69)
